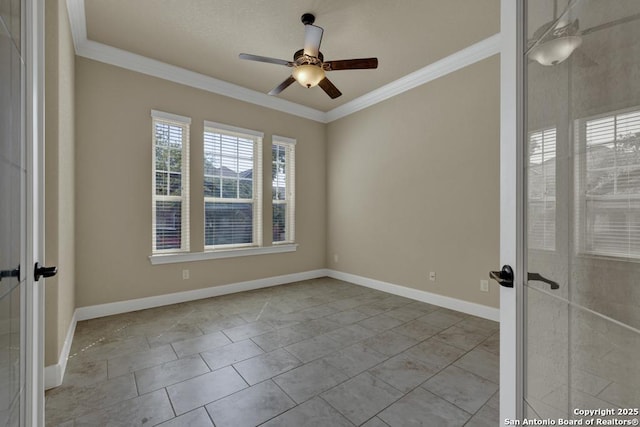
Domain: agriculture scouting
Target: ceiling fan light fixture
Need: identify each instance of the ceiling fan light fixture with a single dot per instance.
(556, 50)
(308, 75)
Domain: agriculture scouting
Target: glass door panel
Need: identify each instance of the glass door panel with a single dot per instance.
(11, 220)
(582, 178)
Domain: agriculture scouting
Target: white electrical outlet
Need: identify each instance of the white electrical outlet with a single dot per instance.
(432, 276)
(484, 285)
(185, 274)
(335, 258)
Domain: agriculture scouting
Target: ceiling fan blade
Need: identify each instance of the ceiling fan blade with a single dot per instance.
(282, 86)
(351, 64)
(606, 25)
(312, 40)
(329, 88)
(265, 59)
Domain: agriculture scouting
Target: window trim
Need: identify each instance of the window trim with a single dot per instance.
(176, 257)
(185, 123)
(256, 201)
(581, 225)
(290, 198)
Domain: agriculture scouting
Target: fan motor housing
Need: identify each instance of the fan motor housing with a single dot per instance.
(308, 19)
(300, 53)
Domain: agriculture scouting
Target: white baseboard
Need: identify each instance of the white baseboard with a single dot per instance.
(467, 307)
(54, 374)
(101, 310)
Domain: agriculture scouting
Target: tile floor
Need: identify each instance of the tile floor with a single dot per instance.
(316, 353)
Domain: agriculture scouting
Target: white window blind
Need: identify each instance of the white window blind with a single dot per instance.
(283, 169)
(170, 210)
(609, 173)
(232, 187)
(541, 180)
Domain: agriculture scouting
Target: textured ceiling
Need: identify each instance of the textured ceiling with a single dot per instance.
(206, 36)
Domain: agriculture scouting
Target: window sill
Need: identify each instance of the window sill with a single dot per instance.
(607, 257)
(219, 254)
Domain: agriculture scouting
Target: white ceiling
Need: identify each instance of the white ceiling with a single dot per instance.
(206, 36)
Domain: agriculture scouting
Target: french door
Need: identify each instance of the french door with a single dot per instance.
(570, 210)
(21, 305)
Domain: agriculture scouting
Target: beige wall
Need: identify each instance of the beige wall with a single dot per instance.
(413, 186)
(113, 184)
(59, 177)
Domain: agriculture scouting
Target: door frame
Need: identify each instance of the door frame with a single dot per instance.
(33, 203)
(512, 362)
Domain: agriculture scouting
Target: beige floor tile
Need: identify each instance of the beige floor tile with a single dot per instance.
(309, 380)
(132, 362)
(149, 409)
(422, 408)
(231, 353)
(200, 343)
(404, 372)
(196, 418)
(390, 343)
(320, 352)
(355, 359)
(462, 388)
(250, 407)
(266, 366)
(170, 373)
(361, 397)
(199, 391)
(315, 412)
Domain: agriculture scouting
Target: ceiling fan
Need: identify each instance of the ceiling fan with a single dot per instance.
(308, 64)
(554, 42)
(557, 39)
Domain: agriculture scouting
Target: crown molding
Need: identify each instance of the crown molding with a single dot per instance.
(465, 57)
(78, 22)
(134, 62)
(141, 64)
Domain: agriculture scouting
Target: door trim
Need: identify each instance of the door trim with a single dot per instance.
(33, 48)
(511, 207)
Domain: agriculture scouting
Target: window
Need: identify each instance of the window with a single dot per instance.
(283, 169)
(170, 182)
(542, 190)
(232, 187)
(609, 173)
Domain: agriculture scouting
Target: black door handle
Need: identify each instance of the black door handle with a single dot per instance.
(40, 271)
(537, 277)
(504, 277)
(10, 273)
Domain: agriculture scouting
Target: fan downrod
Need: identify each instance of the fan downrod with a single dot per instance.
(308, 19)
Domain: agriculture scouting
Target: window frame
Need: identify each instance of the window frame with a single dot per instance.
(185, 124)
(582, 223)
(257, 190)
(289, 145)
